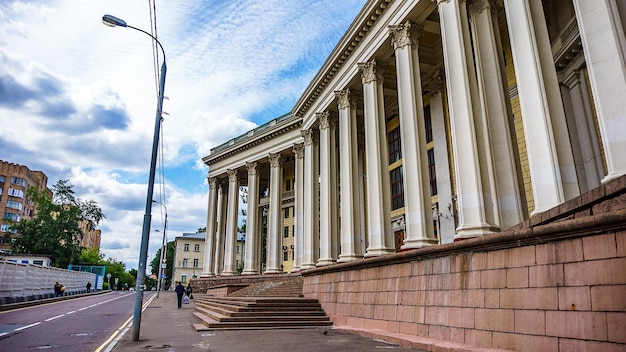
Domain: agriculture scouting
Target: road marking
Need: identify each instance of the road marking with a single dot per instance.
(83, 308)
(27, 326)
(117, 335)
(57, 317)
(70, 312)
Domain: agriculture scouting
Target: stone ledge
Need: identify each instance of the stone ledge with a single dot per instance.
(414, 341)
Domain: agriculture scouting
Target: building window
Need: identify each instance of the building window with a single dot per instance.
(196, 248)
(14, 205)
(16, 193)
(288, 186)
(183, 278)
(3, 179)
(38, 262)
(186, 247)
(431, 172)
(286, 210)
(11, 216)
(237, 249)
(285, 256)
(195, 263)
(397, 188)
(293, 230)
(19, 181)
(428, 125)
(395, 148)
(185, 262)
(286, 231)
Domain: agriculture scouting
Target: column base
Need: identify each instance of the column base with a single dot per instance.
(307, 266)
(415, 244)
(325, 262)
(377, 252)
(249, 272)
(207, 274)
(349, 258)
(228, 273)
(272, 271)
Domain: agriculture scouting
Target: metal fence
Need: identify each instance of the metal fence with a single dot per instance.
(28, 281)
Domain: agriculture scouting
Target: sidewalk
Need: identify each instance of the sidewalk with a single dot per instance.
(165, 327)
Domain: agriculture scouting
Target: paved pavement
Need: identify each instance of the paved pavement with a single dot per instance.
(164, 327)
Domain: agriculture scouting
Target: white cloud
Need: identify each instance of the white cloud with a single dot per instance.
(78, 99)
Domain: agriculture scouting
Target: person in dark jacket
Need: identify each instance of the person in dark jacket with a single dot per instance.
(180, 291)
(189, 291)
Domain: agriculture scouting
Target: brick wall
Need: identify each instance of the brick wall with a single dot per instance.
(557, 282)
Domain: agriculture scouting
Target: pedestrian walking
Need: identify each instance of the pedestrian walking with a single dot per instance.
(180, 291)
(189, 291)
(88, 287)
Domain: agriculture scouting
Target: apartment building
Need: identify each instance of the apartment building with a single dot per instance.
(14, 181)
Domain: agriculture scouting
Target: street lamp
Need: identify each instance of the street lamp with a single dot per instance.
(113, 21)
(162, 265)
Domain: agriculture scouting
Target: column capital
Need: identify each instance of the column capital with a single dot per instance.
(439, 1)
(475, 7)
(309, 137)
(251, 166)
(372, 71)
(274, 159)
(232, 175)
(434, 85)
(408, 33)
(326, 120)
(212, 182)
(346, 98)
(298, 150)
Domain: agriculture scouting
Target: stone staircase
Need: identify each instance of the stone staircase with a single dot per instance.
(262, 305)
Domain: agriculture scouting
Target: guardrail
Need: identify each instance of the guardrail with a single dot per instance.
(25, 282)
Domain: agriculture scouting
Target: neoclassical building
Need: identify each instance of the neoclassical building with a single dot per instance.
(430, 122)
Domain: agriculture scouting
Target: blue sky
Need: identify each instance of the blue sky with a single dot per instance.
(78, 99)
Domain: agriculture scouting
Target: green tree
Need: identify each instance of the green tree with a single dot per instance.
(55, 228)
(169, 261)
(91, 256)
(117, 269)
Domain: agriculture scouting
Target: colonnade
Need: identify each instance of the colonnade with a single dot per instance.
(486, 194)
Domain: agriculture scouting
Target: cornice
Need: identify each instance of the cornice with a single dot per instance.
(344, 49)
(250, 140)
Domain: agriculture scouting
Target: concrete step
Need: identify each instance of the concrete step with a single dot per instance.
(259, 313)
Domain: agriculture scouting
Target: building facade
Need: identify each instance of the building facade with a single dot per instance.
(14, 181)
(430, 122)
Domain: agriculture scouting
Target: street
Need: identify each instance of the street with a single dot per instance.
(80, 324)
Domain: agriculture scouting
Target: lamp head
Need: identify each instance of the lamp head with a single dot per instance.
(113, 21)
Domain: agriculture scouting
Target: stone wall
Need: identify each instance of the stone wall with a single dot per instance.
(556, 282)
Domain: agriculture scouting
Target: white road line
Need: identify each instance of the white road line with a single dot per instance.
(27, 326)
(71, 312)
(57, 317)
(83, 308)
(4, 333)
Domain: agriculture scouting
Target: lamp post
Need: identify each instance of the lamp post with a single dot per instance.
(163, 258)
(113, 21)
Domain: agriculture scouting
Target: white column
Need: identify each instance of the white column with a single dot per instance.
(604, 41)
(211, 222)
(231, 224)
(298, 239)
(417, 203)
(351, 233)
(221, 229)
(496, 114)
(251, 262)
(381, 239)
(310, 243)
(274, 223)
(552, 169)
(328, 191)
(447, 225)
(460, 76)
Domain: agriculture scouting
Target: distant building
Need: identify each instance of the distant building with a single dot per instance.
(14, 181)
(189, 255)
(36, 259)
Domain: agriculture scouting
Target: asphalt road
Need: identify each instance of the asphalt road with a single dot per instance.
(75, 325)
